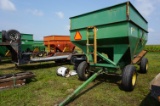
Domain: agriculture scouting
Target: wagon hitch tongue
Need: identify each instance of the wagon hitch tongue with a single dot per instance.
(78, 90)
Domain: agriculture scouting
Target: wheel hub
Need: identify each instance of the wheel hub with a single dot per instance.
(134, 77)
(147, 66)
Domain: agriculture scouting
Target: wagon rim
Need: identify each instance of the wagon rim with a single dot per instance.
(134, 77)
(147, 66)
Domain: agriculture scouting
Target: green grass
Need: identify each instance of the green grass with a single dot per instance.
(48, 89)
(153, 48)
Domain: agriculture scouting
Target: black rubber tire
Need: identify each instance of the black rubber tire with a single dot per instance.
(82, 71)
(129, 77)
(13, 35)
(144, 65)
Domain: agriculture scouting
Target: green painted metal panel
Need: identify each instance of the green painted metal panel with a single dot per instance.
(39, 44)
(3, 50)
(28, 37)
(119, 51)
(137, 39)
(137, 18)
(99, 17)
(32, 45)
(104, 31)
(26, 45)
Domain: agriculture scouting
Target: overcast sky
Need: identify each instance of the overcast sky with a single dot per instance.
(48, 17)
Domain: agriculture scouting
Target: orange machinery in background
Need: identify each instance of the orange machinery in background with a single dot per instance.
(58, 43)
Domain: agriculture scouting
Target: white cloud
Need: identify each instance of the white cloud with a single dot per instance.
(7, 5)
(146, 7)
(35, 12)
(60, 14)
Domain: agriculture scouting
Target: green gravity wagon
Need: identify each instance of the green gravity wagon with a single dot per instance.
(113, 40)
(27, 44)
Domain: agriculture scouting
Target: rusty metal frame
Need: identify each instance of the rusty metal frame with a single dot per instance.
(138, 58)
(14, 80)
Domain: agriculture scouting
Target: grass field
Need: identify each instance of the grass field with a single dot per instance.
(48, 89)
(153, 48)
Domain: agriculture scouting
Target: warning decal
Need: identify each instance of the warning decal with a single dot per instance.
(77, 36)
